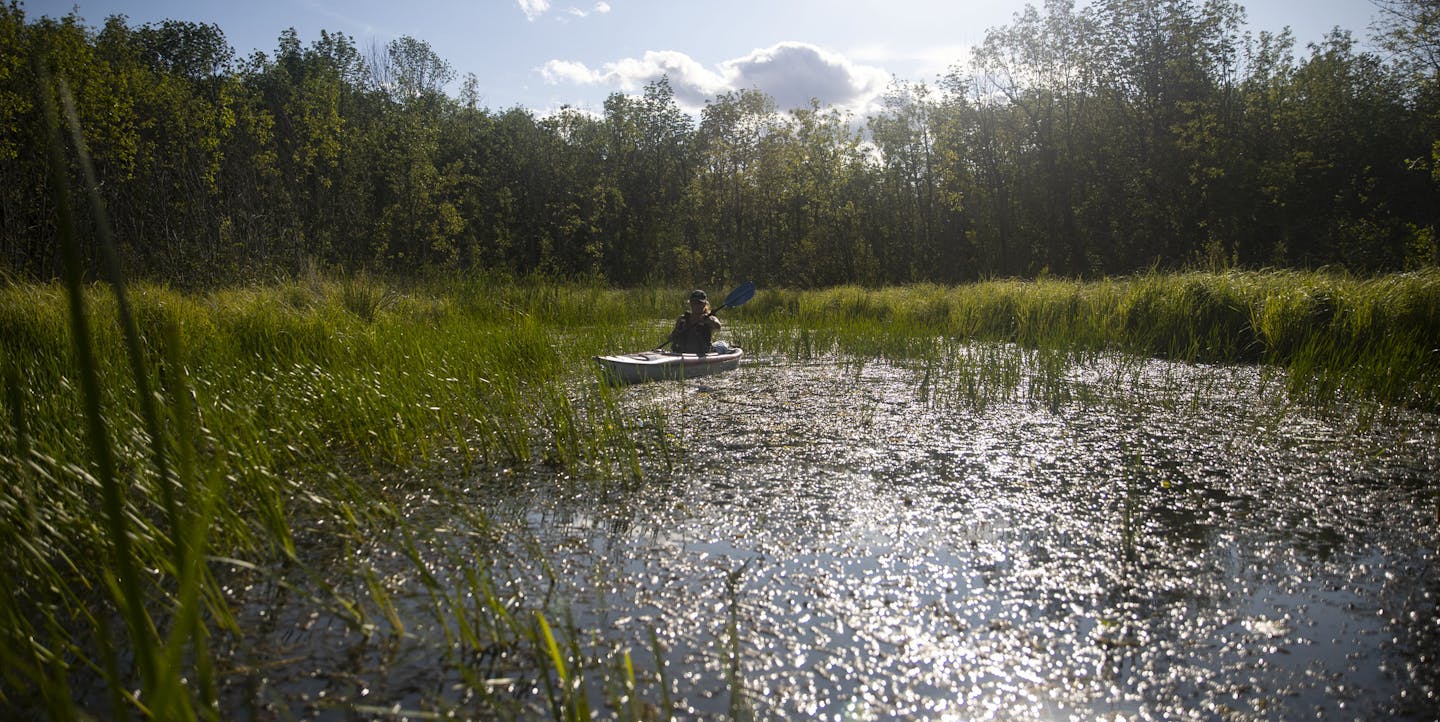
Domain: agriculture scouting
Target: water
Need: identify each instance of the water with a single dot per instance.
(855, 541)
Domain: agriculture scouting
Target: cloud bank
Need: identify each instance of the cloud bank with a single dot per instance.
(790, 72)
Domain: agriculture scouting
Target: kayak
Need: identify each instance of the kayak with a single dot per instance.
(634, 368)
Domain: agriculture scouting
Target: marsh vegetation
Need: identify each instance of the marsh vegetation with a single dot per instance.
(432, 478)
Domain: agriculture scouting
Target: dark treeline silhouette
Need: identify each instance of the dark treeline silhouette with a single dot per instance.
(1128, 135)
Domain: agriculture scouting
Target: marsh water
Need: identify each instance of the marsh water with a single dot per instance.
(841, 540)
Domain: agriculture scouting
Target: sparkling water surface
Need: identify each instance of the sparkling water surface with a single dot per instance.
(855, 541)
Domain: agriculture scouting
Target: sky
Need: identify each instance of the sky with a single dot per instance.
(546, 54)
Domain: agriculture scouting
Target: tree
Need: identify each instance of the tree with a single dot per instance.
(1040, 74)
(726, 194)
(1127, 134)
(418, 71)
(1353, 128)
(903, 137)
(823, 172)
(194, 51)
(647, 151)
(1410, 30)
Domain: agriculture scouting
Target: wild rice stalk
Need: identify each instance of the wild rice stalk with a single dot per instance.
(125, 584)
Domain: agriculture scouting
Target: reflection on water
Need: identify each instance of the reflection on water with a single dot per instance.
(835, 545)
(1162, 559)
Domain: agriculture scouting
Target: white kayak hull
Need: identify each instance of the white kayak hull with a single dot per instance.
(634, 368)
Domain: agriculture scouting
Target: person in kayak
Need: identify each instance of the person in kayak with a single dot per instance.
(695, 329)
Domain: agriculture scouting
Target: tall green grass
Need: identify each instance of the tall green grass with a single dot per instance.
(104, 583)
(282, 404)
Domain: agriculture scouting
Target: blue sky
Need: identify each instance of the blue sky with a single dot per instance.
(542, 54)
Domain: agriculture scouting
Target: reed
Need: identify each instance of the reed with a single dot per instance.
(280, 405)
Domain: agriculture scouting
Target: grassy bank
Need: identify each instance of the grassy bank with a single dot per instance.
(281, 420)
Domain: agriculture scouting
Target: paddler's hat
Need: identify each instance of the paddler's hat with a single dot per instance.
(698, 295)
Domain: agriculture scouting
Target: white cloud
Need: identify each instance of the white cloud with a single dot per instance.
(793, 73)
(556, 72)
(693, 83)
(790, 72)
(534, 8)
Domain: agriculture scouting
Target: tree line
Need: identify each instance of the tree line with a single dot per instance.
(1128, 135)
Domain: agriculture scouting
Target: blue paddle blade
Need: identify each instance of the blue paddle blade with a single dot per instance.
(744, 292)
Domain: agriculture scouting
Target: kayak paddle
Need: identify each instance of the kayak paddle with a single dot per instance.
(742, 293)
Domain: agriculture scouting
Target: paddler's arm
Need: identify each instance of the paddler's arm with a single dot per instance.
(679, 329)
